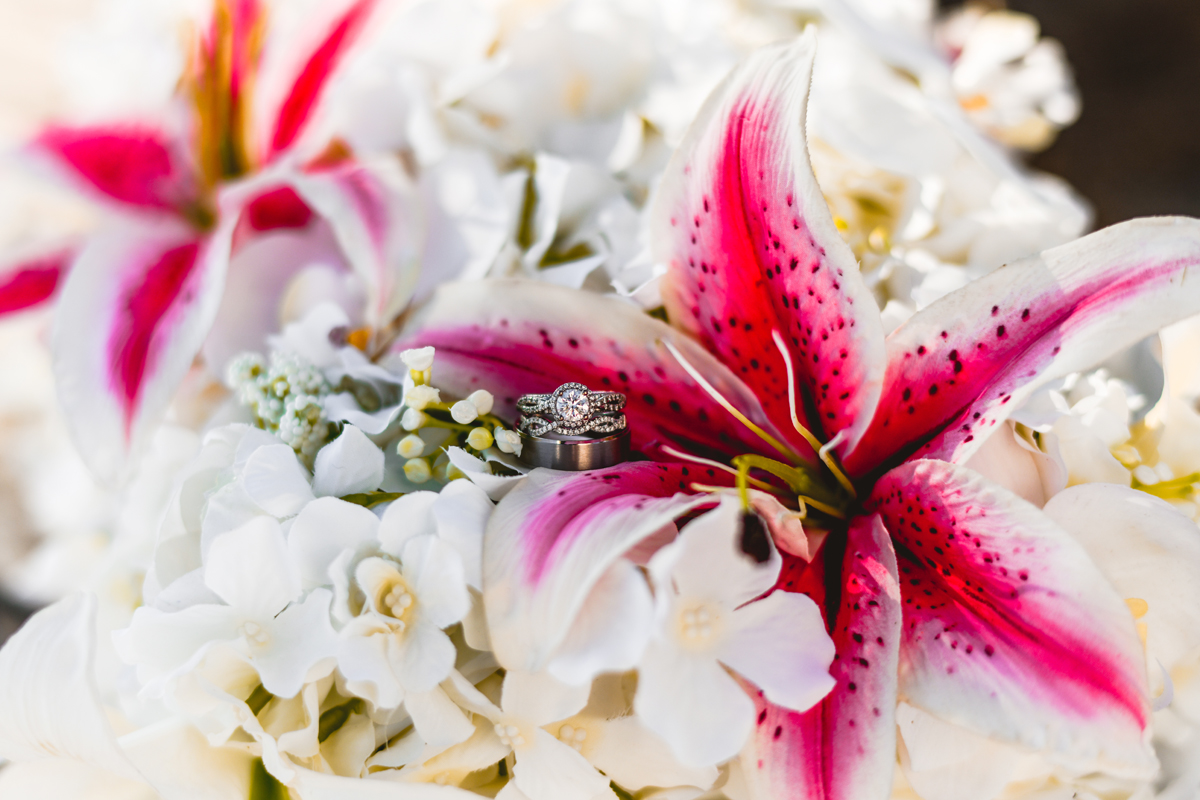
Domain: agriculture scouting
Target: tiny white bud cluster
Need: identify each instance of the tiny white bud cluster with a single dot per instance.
(286, 397)
(508, 441)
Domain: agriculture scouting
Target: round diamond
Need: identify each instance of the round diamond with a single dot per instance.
(573, 405)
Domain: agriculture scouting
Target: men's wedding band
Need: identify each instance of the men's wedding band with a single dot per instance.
(574, 454)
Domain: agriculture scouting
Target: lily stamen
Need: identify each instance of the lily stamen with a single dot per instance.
(715, 395)
(830, 461)
(673, 453)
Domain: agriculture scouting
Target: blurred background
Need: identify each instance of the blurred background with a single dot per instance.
(1135, 150)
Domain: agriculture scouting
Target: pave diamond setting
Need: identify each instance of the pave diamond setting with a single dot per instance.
(572, 409)
(572, 404)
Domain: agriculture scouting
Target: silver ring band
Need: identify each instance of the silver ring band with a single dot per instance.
(602, 423)
(572, 409)
(574, 455)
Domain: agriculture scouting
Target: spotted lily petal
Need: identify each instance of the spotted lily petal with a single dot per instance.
(1009, 628)
(29, 284)
(133, 313)
(958, 368)
(752, 250)
(515, 337)
(845, 746)
(138, 165)
(552, 538)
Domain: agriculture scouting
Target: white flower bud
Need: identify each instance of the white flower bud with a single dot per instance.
(480, 439)
(482, 400)
(412, 419)
(420, 397)
(508, 441)
(417, 470)
(418, 359)
(411, 446)
(464, 412)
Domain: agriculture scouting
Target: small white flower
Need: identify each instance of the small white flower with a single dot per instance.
(508, 441)
(482, 400)
(412, 419)
(464, 412)
(418, 359)
(480, 439)
(420, 397)
(417, 470)
(709, 620)
(411, 446)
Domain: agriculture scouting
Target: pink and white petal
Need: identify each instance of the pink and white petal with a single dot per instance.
(350, 464)
(779, 644)
(375, 215)
(845, 747)
(133, 313)
(693, 704)
(251, 569)
(32, 282)
(49, 699)
(138, 165)
(301, 648)
(612, 629)
(293, 91)
(514, 337)
(748, 239)
(326, 527)
(959, 367)
(554, 536)
(1010, 630)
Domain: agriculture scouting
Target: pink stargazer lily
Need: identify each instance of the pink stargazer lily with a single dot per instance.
(939, 587)
(216, 209)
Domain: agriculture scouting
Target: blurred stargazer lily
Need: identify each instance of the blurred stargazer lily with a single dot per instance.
(218, 207)
(938, 587)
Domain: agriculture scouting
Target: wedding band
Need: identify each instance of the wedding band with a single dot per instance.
(574, 454)
(572, 409)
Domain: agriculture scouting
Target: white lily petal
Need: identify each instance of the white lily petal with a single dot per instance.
(699, 733)
(547, 769)
(462, 512)
(181, 764)
(945, 762)
(633, 756)
(325, 528)
(780, 644)
(300, 639)
(350, 464)
(49, 700)
(59, 779)
(161, 643)
(612, 629)
(276, 480)
(407, 517)
(251, 569)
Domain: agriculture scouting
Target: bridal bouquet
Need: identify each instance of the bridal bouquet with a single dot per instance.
(598, 399)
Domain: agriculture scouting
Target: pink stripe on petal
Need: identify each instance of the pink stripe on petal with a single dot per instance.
(1009, 628)
(751, 248)
(844, 748)
(277, 209)
(32, 283)
(960, 367)
(139, 166)
(553, 536)
(516, 337)
(306, 91)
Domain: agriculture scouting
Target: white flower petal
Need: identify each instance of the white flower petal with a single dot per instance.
(49, 700)
(161, 643)
(409, 516)
(946, 762)
(181, 764)
(347, 750)
(633, 756)
(462, 512)
(325, 528)
(540, 699)
(251, 569)
(612, 628)
(350, 464)
(276, 480)
(366, 653)
(549, 770)
(780, 644)
(692, 703)
(300, 639)
(434, 570)
(440, 722)
(426, 657)
(59, 779)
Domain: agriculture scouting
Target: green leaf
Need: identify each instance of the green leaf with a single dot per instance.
(372, 499)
